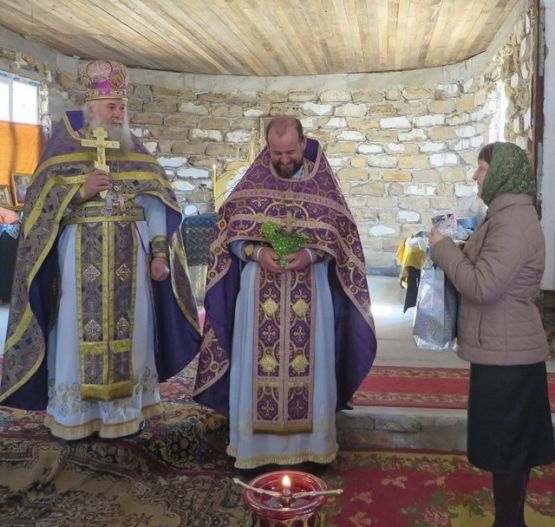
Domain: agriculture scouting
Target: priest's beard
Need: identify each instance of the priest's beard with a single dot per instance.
(285, 171)
(120, 133)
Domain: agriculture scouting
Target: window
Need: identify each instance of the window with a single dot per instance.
(19, 99)
(502, 115)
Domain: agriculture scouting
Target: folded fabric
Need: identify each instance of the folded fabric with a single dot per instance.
(408, 256)
(282, 241)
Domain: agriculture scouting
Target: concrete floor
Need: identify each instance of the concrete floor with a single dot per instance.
(396, 346)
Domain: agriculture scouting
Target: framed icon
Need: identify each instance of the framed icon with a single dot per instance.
(6, 196)
(20, 183)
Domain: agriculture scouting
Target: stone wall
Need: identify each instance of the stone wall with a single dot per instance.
(403, 145)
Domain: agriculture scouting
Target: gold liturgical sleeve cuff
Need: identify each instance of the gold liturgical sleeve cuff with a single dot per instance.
(78, 198)
(159, 247)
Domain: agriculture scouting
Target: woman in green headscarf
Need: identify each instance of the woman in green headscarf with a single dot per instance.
(500, 331)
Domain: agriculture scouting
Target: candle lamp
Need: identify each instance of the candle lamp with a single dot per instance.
(286, 499)
(214, 179)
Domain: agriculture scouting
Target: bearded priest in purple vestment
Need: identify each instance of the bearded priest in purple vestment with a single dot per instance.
(102, 309)
(286, 343)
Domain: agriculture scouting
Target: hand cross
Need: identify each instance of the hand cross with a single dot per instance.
(99, 142)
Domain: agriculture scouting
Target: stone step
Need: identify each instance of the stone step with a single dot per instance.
(418, 428)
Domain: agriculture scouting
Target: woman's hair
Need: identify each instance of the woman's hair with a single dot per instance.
(486, 154)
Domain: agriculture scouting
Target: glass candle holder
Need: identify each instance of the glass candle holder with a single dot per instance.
(281, 507)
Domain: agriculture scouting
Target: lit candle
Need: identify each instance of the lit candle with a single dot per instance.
(286, 484)
(285, 498)
(214, 180)
(286, 491)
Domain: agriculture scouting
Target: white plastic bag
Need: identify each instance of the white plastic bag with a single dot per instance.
(435, 318)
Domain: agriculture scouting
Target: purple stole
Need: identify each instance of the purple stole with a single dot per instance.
(284, 318)
(284, 347)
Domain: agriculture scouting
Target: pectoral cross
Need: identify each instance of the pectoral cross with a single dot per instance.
(289, 221)
(99, 142)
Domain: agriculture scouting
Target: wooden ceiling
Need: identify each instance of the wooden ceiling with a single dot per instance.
(262, 37)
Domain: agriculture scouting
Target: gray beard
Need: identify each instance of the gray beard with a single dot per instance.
(116, 133)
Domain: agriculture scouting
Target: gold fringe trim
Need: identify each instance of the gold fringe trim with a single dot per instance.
(107, 392)
(106, 430)
(286, 459)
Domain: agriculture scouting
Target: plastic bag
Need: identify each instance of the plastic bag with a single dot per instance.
(447, 224)
(435, 318)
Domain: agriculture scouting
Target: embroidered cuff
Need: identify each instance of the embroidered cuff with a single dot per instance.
(159, 247)
(78, 197)
(252, 251)
(248, 251)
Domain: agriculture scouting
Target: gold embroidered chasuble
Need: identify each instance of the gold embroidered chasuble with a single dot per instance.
(107, 246)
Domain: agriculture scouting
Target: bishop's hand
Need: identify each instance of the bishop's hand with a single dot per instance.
(159, 269)
(96, 182)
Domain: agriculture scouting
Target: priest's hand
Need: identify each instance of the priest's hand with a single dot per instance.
(96, 182)
(267, 259)
(159, 269)
(298, 261)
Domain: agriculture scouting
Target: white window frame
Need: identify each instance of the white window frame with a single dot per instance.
(9, 79)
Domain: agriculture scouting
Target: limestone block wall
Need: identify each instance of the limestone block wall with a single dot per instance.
(403, 145)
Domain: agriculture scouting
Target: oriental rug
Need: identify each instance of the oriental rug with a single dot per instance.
(175, 473)
(396, 386)
(76, 486)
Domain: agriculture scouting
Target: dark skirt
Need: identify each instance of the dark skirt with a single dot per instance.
(509, 418)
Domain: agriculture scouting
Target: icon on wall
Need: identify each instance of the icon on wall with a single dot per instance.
(5, 196)
(20, 183)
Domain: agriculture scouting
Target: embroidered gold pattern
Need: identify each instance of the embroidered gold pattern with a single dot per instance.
(268, 363)
(300, 307)
(299, 364)
(122, 326)
(159, 247)
(91, 273)
(270, 307)
(93, 329)
(123, 272)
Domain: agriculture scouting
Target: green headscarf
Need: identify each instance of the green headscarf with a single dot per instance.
(509, 171)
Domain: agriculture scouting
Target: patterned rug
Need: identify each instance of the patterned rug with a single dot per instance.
(416, 489)
(145, 480)
(421, 388)
(118, 486)
(175, 473)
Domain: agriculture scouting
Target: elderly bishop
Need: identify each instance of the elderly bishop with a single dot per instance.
(102, 309)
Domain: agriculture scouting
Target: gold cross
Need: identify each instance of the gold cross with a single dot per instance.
(99, 142)
(289, 221)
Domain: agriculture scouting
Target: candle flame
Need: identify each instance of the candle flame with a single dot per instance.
(286, 483)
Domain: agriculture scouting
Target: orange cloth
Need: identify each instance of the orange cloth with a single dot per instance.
(20, 148)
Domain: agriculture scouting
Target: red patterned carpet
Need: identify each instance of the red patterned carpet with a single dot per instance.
(418, 489)
(421, 388)
(116, 485)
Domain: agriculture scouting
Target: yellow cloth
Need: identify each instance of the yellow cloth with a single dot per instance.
(408, 256)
